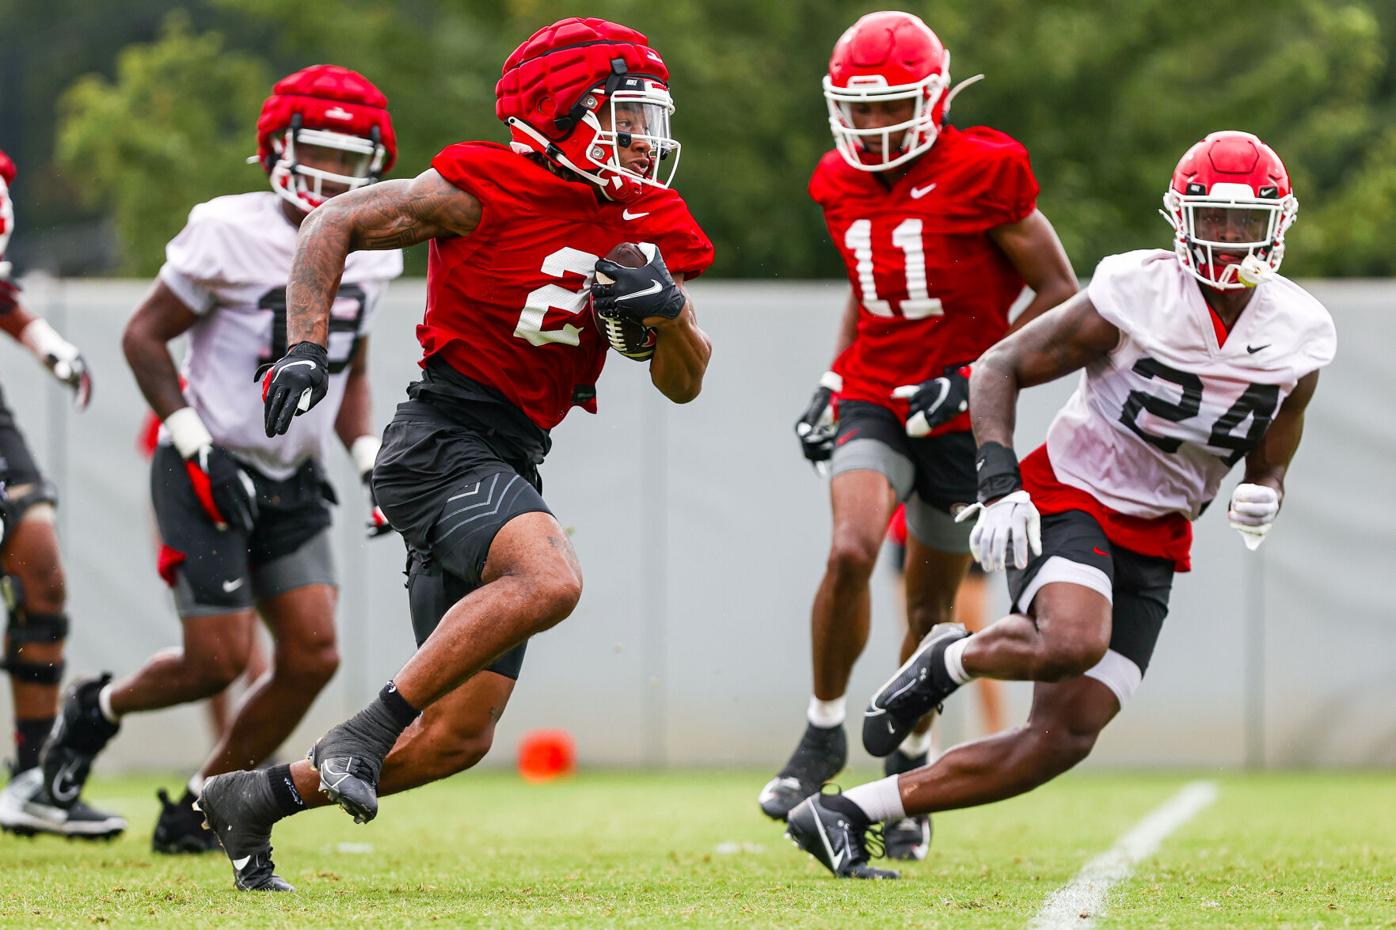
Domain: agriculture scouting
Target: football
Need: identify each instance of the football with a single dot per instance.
(628, 338)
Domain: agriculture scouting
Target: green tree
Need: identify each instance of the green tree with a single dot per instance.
(165, 135)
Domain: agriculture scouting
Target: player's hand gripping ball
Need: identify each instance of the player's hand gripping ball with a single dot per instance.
(633, 285)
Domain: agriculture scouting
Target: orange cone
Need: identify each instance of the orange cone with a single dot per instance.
(546, 754)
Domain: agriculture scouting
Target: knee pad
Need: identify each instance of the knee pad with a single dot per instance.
(26, 628)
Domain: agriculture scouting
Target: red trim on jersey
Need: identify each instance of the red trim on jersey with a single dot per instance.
(1167, 537)
(1218, 326)
(167, 561)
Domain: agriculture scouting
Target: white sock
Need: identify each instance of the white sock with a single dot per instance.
(880, 800)
(196, 784)
(826, 714)
(104, 703)
(955, 661)
(916, 744)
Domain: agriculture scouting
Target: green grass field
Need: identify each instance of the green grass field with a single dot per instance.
(690, 849)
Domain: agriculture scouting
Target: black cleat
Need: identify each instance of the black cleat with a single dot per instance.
(239, 808)
(919, 686)
(907, 839)
(27, 810)
(821, 754)
(79, 733)
(180, 828)
(838, 839)
(349, 763)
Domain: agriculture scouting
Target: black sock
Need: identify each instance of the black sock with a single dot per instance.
(283, 789)
(846, 807)
(29, 739)
(397, 707)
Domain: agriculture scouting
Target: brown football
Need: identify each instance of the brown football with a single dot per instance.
(630, 339)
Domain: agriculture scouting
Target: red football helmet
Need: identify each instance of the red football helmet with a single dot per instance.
(1230, 203)
(882, 58)
(328, 107)
(580, 91)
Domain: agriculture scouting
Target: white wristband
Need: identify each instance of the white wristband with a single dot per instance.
(187, 431)
(43, 340)
(832, 380)
(364, 452)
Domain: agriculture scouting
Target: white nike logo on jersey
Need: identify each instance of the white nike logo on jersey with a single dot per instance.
(627, 215)
(918, 192)
(241, 864)
(230, 586)
(654, 288)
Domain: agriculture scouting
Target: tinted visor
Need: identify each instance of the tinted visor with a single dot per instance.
(1233, 225)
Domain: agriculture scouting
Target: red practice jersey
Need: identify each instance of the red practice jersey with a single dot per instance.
(932, 287)
(509, 305)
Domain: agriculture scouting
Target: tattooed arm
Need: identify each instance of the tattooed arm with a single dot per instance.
(386, 215)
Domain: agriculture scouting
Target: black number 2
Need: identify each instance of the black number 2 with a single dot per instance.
(1258, 402)
(275, 301)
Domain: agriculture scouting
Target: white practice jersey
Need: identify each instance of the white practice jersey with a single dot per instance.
(230, 264)
(1156, 424)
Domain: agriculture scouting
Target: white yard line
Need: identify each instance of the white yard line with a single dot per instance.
(1078, 903)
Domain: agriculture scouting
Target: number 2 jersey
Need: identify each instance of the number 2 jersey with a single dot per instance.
(508, 306)
(230, 265)
(1157, 423)
(932, 287)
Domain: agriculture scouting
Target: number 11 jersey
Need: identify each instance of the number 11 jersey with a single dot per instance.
(932, 287)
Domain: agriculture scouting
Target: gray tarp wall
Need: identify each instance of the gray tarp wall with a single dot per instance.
(702, 534)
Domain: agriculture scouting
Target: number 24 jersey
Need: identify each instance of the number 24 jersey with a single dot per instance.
(1157, 423)
(932, 287)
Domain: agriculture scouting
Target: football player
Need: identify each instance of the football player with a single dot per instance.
(31, 574)
(1194, 359)
(939, 231)
(243, 520)
(518, 234)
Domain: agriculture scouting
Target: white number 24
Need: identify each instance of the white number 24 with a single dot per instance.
(918, 303)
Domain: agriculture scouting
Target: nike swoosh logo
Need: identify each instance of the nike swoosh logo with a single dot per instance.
(65, 787)
(241, 864)
(654, 288)
(230, 586)
(290, 365)
(1254, 349)
(918, 192)
(627, 215)
(337, 776)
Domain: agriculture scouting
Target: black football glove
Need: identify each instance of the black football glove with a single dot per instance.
(816, 427)
(637, 294)
(935, 402)
(377, 523)
(226, 491)
(293, 385)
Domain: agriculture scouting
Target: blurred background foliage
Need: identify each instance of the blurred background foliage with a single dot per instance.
(122, 116)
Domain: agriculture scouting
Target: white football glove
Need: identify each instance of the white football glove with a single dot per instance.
(1010, 519)
(1252, 512)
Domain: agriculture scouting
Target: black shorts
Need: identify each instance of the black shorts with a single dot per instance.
(213, 571)
(1074, 549)
(449, 488)
(942, 467)
(17, 464)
